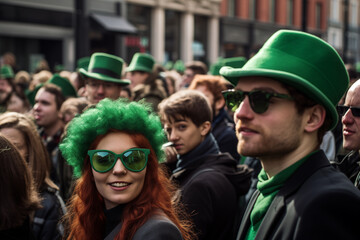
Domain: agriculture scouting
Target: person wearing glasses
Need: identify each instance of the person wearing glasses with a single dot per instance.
(122, 193)
(211, 185)
(350, 118)
(103, 78)
(284, 100)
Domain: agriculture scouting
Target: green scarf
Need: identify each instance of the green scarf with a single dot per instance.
(268, 189)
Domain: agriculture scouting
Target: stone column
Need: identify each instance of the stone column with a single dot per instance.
(158, 34)
(186, 36)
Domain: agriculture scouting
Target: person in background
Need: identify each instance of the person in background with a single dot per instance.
(211, 186)
(18, 102)
(103, 78)
(222, 126)
(22, 132)
(6, 86)
(284, 101)
(46, 112)
(350, 118)
(19, 198)
(146, 82)
(191, 69)
(121, 192)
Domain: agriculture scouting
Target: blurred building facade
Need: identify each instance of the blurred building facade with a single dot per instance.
(63, 31)
(246, 24)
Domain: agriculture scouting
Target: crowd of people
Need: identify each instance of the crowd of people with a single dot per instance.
(265, 148)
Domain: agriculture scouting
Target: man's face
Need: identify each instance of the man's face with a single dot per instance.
(96, 90)
(351, 124)
(185, 134)
(187, 77)
(5, 89)
(45, 111)
(136, 78)
(276, 132)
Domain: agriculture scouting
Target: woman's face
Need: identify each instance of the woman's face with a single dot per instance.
(119, 185)
(17, 138)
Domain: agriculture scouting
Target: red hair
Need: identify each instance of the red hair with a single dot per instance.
(156, 194)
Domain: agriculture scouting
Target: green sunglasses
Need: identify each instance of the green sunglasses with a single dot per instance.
(259, 100)
(134, 159)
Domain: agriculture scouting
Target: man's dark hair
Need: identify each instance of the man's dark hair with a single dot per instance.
(56, 91)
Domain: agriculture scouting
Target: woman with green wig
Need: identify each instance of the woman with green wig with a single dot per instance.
(122, 193)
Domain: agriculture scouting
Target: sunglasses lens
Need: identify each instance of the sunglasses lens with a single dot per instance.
(259, 101)
(102, 161)
(233, 100)
(355, 112)
(134, 160)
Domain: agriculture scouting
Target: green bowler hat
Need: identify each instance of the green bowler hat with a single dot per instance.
(67, 88)
(301, 60)
(235, 62)
(105, 67)
(6, 72)
(141, 62)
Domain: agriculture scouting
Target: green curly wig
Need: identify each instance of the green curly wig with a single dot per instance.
(110, 114)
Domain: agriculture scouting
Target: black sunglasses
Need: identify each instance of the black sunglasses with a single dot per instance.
(343, 109)
(259, 100)
(134, 159)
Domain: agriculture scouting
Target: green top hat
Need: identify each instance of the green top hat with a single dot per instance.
(31, 94)
(235, 62)
(67, 88)
(6, 72)
(105, 67)
(83, 63)
(141, 62)
(215, 67)
(179, 66)
(303, 61)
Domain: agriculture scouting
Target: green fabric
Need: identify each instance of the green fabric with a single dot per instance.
(289, 57)
(268, 189)
(67, 88)
(141, 62)
(110, 114)
(6, 72)
(105, 67)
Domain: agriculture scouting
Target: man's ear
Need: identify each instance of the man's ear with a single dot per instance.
(315, 117)
(219, 104)
(205, 128)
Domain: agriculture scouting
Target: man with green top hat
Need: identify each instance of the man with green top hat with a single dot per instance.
(6, 85)
(284, 100)
(103, 78)
(145, 80)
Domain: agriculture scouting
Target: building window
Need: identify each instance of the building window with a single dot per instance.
(140, 17)
(231, 8)
(334, 10)
(318, 15)
(172, 35)
(200, 38)
(290, 11)
(252, 9)
(353, 13)
(273, 12)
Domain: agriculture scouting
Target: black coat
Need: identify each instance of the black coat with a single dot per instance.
(317, 202)
(210, 190)
(223, 129)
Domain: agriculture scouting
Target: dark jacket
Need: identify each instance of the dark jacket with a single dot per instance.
(223, 129)
(210, 189)
(158, 227)
(350, 166)
(317, 202)
(23, 232)
(47, 223)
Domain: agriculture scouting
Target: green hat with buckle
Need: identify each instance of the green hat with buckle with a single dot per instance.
(300, 60)
(6, 72)
(141, 62)
(105, 67)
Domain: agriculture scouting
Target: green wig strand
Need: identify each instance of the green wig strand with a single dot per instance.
(110, 114)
